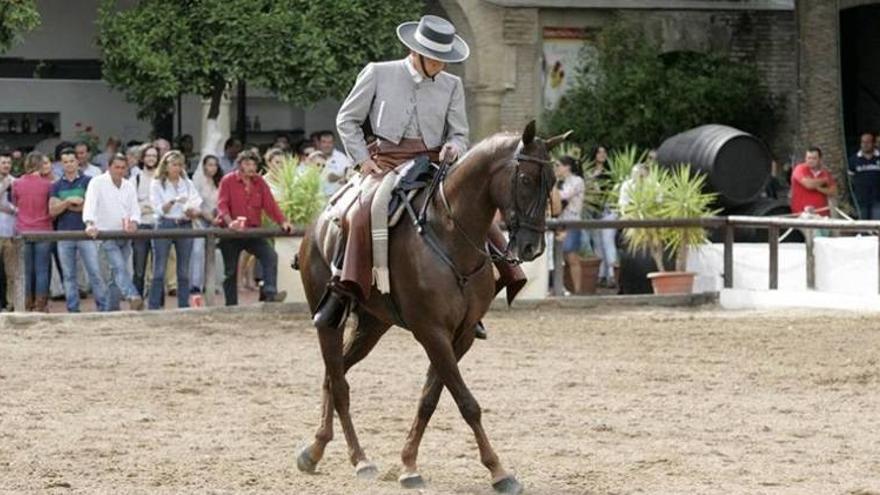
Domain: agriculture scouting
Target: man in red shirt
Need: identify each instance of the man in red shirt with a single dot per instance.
(241, 200)
(812, 184)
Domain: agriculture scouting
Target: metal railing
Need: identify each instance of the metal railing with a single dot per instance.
(211, 236)
(773, 225)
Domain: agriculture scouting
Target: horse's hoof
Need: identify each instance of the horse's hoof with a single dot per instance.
(411, 480)
(508, 486)
(304, 461)
(366, 470)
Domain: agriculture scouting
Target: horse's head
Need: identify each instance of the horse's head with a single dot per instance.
(531, 181)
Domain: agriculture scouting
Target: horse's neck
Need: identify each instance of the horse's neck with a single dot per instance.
(468, 190)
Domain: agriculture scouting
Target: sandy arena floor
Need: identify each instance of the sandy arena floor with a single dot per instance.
(592, 402)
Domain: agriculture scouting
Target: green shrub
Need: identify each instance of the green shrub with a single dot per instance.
(636, 94)
(297, 191)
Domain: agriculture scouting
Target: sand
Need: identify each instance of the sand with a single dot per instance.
(604, 401)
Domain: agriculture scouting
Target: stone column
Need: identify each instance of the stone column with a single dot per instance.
(487, 112)
(819, 91)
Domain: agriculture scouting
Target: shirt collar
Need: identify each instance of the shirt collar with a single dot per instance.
(862, 155)
(417, 77)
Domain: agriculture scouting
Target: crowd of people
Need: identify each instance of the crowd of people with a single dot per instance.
(146, 186)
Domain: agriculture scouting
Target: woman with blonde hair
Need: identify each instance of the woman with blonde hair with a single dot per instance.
(30, 195)
(176, 202)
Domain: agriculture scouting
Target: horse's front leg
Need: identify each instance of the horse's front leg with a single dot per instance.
(443, 359)
(431, 392)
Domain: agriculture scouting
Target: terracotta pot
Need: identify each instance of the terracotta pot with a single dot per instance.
(589, 275)
(672, 282)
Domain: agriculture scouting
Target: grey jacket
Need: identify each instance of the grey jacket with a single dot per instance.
(387, 94)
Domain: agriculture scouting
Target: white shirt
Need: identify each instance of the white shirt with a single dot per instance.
(573, 193)
(90, 171)
(143, 181)
(7, 220)
(183, 194)
(338, 164)
(106, 204)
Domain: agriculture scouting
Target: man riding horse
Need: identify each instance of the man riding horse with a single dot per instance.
(414, 108)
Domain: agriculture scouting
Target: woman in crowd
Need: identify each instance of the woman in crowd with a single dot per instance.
(571, 194)
(143, 179)
(176, 203)
(30, 194)
(604, 240)
(206, 180)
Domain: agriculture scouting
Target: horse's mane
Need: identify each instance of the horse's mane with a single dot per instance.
(493, 148)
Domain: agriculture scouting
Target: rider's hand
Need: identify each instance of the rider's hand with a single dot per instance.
(369, 167)
(449, 153)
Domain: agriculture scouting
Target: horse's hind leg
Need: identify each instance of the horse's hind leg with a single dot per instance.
(427, 404)
(443, 359)
(365, 336)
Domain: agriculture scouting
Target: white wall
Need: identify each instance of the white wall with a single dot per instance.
(67, 31)
(90, 102)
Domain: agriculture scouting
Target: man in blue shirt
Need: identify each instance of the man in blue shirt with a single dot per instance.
(66, 205)
(864, 172)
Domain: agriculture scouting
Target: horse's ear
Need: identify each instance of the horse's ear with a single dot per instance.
(528, 133)
(555, 140)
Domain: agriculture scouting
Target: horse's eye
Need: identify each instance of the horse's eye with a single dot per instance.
(525, 180)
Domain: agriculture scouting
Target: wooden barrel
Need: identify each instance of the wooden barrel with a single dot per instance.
(736, 164)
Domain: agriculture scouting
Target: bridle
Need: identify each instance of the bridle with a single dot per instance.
(529, 216)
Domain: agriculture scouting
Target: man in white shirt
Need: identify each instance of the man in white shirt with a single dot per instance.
(337, 163)
(7, 230)
(84, 157)
(111, 204)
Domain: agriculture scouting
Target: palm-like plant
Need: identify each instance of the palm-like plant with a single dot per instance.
(666, 195)
(297, 190)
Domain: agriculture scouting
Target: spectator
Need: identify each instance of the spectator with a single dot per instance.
(282, 142)
(812, 185)
(864, 171)
(162, 145)
(66, 205)
(84, 157)
(242, 198)
(304, 149)
(207, 182)
(57, 168)
(186, 146)
(604, 240)
(111, 204)
(274, 158)
(8, 261)
(110, 149)
(142, 248)
(133, 159)
(176, 203)
(30, 193)
(337, 165)
(639, 172)
(571, 193)
(231, 149)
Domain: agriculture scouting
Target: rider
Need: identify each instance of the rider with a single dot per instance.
(414, 108)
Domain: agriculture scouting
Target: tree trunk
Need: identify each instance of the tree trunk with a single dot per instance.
(216, 98)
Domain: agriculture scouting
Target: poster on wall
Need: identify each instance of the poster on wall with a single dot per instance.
(565, 50)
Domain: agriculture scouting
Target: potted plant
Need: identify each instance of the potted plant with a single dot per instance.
(666, 195)
(589, 271)
(297, 189)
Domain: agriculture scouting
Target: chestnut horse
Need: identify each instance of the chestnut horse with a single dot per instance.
(438, 300)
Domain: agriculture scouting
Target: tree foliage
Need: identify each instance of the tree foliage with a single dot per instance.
(17, 17)
(635, 94)
(302, 50)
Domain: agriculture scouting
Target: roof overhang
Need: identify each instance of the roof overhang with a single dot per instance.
(782, 5)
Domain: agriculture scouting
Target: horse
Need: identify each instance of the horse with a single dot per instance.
(439, 301)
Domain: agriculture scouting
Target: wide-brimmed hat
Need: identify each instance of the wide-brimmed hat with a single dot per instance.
(434, 37)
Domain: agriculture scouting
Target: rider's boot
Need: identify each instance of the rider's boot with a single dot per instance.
(332, 310)
(480, 331)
